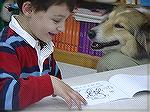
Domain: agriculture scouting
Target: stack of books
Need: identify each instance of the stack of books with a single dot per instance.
(84, 41)
(90, 15)
(75, 37)
(69, 39)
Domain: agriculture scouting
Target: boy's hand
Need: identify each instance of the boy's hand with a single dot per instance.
(67, 93)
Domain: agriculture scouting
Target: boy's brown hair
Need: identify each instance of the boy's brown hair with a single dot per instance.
(43, 5)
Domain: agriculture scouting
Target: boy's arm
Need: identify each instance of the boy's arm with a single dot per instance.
(15, 92)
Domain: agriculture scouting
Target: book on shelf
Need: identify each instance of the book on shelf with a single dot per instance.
(77, 35)
(68, 35)
(80, 48)
(119, 86)
(78, 18)
(93, 12)
(84, 41)
(90, 15)
(85, 37)
(74, 29)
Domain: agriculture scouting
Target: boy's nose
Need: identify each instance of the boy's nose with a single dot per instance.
(61, 27)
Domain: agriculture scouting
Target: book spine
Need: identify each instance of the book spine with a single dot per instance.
(68, 34)
(59, 40)
(56, 41)
(87, 38)
(84, 37)
(77, 35)
(91, 51)
(61, 37)
(73, 35)
(63, 42)
(80, 47)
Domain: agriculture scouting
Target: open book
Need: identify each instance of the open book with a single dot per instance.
(119, 86)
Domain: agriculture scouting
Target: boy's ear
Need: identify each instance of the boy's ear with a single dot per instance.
(27, 8)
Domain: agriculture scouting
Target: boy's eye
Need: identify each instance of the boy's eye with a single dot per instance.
(56, 21)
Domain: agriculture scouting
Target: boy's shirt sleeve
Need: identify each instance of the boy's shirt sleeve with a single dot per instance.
(15, 92)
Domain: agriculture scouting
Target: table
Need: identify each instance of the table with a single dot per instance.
(140, 102)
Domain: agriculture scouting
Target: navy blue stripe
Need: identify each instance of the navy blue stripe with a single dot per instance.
(45, 66)
(4, 34)
(3, 94)
(15, 101)
(3, 72)
(16, 45)
(9, 95)
(31, 69)
(7, 50)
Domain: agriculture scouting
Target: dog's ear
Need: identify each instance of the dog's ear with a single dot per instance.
(117, 10)
(142, 36)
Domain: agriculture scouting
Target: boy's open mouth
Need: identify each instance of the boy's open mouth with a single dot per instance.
(51, 34)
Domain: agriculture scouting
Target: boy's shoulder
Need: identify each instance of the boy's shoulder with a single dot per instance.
(8, 34)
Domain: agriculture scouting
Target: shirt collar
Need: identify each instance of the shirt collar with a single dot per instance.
(14, 25)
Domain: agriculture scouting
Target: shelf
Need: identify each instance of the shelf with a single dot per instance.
(79, 59)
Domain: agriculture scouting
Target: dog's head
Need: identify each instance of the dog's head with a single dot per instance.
(126, 30)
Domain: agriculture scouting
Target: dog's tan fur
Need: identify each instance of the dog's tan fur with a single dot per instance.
(134, 36)
(131, 30)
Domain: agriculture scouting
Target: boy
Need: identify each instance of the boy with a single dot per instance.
(28, 70)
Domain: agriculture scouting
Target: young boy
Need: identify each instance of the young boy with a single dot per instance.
(28, 71)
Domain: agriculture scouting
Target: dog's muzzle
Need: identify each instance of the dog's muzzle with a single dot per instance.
(91, 34)
(100, 45)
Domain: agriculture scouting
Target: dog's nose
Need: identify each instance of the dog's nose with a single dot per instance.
(91, 34)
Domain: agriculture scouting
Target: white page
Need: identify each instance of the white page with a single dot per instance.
(130, 84)
(99, 92)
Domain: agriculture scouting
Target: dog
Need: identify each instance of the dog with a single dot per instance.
(125, 32)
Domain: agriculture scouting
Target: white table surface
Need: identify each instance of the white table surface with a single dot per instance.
(139, 103)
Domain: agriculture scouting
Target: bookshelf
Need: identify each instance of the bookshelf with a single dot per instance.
(81, 59)
(74, 58)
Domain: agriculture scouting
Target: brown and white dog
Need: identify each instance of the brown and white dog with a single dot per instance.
(126, 31)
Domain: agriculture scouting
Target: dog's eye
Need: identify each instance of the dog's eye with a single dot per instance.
(118, 26)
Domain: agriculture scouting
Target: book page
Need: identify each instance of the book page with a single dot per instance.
(99, 92)
(130, 84)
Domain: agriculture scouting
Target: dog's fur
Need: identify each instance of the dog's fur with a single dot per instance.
(126, 30)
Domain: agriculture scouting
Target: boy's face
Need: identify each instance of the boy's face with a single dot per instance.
(44, 25)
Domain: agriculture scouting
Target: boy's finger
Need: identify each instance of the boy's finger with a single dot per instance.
(81, 98)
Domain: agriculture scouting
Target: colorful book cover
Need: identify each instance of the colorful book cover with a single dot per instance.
(73, 38)
(67, 36)
(63, 40)
(55, 40)
(80, 48)
(77, 35)
(60, 37)
(85, 37)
